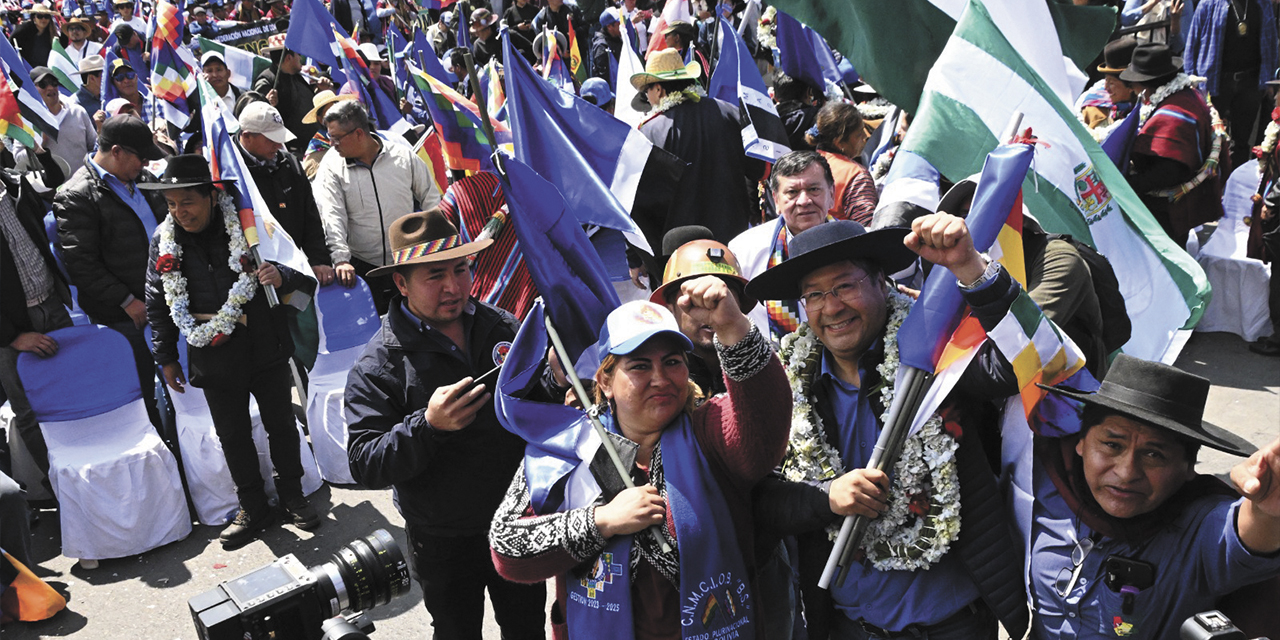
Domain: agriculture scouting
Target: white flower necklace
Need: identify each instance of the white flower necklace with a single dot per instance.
(694, 93)
(923, 517)
(1180, 82)
(877, 109)
(1268, 139)
(218, 329)
(882, 164)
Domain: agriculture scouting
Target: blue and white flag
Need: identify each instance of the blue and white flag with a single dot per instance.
(737, 81)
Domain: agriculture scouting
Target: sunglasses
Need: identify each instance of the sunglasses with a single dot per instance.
(125, 75)
(47, 84)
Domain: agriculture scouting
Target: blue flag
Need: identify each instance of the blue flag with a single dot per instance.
(464, 28)
(310, 32)
(737, 81)
(397, 48)
(427, 60)
(936, 314)
(1120, 140)
(805, 55)
(594, 159)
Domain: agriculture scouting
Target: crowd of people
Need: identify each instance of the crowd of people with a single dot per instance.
(744, 380)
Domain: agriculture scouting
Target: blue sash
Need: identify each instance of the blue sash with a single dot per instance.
(715, 597)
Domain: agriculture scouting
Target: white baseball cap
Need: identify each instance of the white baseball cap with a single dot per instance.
(633, 323)
(260, 117)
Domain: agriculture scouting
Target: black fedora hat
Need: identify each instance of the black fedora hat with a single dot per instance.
(184, 172)
(829, 243)
(1162, 396)
(1117, 55)
(1151, 61)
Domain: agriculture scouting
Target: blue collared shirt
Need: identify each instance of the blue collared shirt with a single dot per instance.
(1197, 559)
(888, 599)
(130, 194)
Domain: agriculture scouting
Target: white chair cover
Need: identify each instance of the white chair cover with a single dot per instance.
(347, 320)
(1239, 303)
(208, 480)
(118, 489)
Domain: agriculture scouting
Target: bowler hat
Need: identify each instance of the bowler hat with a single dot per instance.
(1161, 396)
(1117, 54)
(1151, 61)
(426, 236)
(826, 244)
(184, 172)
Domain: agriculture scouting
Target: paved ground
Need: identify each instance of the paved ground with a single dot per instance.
(146, 596)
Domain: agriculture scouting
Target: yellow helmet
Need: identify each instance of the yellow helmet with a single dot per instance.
(702, 258)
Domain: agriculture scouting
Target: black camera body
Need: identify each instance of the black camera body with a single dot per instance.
(285, 600)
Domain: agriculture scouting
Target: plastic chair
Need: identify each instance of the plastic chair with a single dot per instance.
(1239, 303)
(347, 320)
(208, 480)
(117, 484)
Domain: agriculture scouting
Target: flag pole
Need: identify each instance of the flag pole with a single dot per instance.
(593, 412)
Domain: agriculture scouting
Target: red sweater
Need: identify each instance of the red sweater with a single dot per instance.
(744, 436)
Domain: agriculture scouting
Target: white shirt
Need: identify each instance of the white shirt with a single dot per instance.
(751, 248)
(89, 48)
(139, 25)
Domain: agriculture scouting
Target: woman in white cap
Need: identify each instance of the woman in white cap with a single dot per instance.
(695, 468)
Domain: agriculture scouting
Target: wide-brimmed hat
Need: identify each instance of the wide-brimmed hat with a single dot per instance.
(829, 243)
(634, 323)
(702, 258)
(274, 43)
(426, 236)
(79, 19)
(956, 197)
(322, 100)
(1151, 61)
(481, 18)
(370, 52)
(183, 172)
(1117, 55)
(1161, 396)
(91, 64)
(540, 43)
(681, 27)
(40, 9)
(665, 65)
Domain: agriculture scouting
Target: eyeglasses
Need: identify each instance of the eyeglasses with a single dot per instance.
(337, 137)
(125, 75)
(1068, 576)
(847, 292)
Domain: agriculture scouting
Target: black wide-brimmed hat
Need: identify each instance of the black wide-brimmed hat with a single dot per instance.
(1161, 396)
(184, 172)
(1117, 55)
(1151, 61)
(829, 243)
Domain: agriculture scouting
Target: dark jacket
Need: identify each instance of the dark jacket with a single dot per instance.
(797, 118)
(446, 483)
(261, 342)
(293, 100)
(287, 192)
(33, 46)
(103, 244)
(91, 103)
(986, 546)
(13, 299)
(713, 190)
(602, 46)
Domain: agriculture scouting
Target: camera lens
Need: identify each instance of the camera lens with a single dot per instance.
(365, 573)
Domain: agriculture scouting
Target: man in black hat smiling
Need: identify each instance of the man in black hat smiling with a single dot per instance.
(238, 345)
(843, 362)
(1126, 539)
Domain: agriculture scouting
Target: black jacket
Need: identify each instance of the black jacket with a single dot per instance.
(602, 46)
(294, 101)
(13, 299)
(34, 46)
(103, 244)
(446, 483)
(262, 342)
(287, 192)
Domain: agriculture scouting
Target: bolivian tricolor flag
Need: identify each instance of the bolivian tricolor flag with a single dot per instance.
(12, 124)
(576, 67)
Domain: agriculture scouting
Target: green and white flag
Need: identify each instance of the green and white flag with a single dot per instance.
(64, 69)
(976, 85)
(244, 66)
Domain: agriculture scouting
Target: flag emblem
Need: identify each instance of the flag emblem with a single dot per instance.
(1091, 195)
(602, 573)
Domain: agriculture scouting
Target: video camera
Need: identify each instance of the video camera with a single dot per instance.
(285, 600)
(1210, 625)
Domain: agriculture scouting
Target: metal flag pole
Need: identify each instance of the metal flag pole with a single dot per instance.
(593, 412)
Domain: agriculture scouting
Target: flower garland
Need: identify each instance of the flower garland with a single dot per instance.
(766, 32)
(217, 330)
(1269, 137)
(923, 517)
(1210, 167)
(877, 109)
(882, 164)
(692, 94)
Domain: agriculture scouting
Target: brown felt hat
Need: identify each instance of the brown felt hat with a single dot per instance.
(426, 236)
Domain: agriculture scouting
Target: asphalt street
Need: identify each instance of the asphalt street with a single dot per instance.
(146, 596)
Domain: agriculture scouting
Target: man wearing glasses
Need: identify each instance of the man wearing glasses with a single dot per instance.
(76, 133)
(76, 40)
(366, 183)
(105, 224)
(125, 80)
(849, 346)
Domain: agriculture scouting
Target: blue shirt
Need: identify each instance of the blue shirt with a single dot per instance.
(130, 194)
(1204, 44)
(1197, 559)
(888, 599)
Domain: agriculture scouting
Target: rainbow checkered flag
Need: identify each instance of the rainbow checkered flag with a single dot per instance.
(172, 66)
(466, 146)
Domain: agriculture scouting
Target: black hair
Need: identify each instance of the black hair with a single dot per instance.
(1094, 414)
(796, 163)
(350, 114)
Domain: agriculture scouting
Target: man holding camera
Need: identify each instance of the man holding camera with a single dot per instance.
(418, 422)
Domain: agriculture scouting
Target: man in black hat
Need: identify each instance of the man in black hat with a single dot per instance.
(1126, 539)
(842, 361)
(418, 423)
(1174, 144)
(104, 226)
(237, 344)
